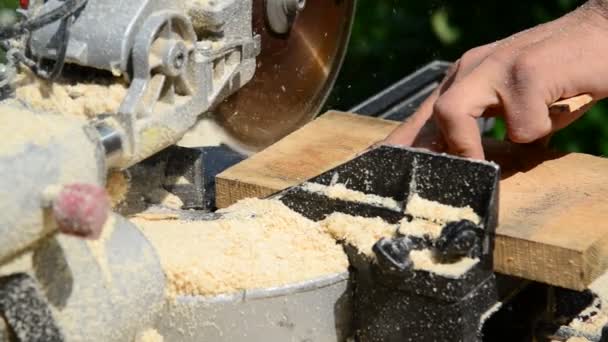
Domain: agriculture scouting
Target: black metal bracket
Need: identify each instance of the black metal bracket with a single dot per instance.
(393, 300)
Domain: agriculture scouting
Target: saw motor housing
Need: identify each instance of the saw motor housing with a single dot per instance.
(180, 57)
(179, 60)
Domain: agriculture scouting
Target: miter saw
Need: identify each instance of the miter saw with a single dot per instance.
(256, 69)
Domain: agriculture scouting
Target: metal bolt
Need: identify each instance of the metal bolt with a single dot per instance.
(458, 239)
(179, 60)
(204, 46)
(281, 13)
(293, 6)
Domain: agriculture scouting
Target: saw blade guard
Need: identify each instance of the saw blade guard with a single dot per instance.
(294, 75)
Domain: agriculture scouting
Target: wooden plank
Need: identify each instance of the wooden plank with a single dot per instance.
(553, 210)
(323, 144)
(553, 217)
(570, 105)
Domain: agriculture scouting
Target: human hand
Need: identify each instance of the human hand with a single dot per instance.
(517, 78)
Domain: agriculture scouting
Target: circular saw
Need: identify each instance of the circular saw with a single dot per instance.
(297, 66)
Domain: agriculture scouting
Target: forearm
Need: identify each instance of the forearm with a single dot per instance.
(599, 7)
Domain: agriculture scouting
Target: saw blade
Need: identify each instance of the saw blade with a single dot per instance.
(294, 75)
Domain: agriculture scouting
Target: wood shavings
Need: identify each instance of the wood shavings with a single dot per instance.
(419, 207)
(117, 186)
(423, 260)
(87, 98)
(149, 335)
(340, 191)
(257, 244)
(360, 232)
(98, 248)
(164, 197)
(156, 216)
(420, 228)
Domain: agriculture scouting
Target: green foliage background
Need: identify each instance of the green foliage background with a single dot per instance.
(392, 38)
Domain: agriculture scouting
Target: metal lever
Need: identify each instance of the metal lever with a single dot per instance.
(393, 255)
(458, 239)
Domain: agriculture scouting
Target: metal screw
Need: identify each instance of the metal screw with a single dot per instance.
(178, 62)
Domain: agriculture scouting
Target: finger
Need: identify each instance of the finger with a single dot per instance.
(472, 59)
(457, 110)
(406, 133)
(562, 120)
(527, 94)
(430, 138)
(409, 131)
(526, 115)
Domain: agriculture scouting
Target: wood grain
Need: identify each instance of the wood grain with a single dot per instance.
(323, 144)
(553, 207)
(570, 105)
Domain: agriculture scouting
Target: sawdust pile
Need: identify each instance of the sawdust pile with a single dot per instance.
(257, 244)
(420, 228)
(360, 232)
(423, 260)
(86, 98)
(165, 198)
(340, 191)
(429, 210)
(262, 243)
(431, 216)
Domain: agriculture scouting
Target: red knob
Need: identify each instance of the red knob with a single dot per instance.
(24, 3)
(81, 210)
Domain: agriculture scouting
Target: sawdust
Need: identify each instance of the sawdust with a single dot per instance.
(87, 98)
(360, 232)
(149, 335)
(151, 216)
(420, 228)
(39, 130)
(55, 146)
(423, 260)
(438, 212)
(340, 191)
(117, 186)
(164, 197)
(205, 132)
(199, 16)
(489, 313)
(98, 248)
(257, 244)
(591, 320)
